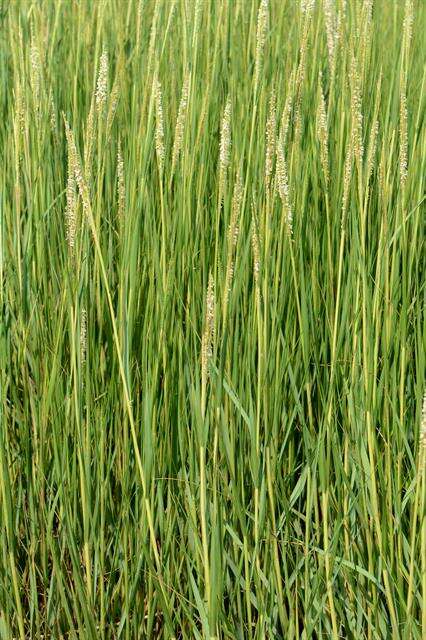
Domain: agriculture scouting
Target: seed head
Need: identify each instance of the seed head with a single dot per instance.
(403, 139)
(225, 145)
(71, 207)
(332, 30)
(285, 118)
(35, 75)
(210, 306)
(83, 335)
(180, 121)
(262, 24)
(256, 252)
(138, 22)
(233, 231)
(322, 133)
(197, 17)
(372, 146)
(307, 6)
(102, 83)
(159, 125)
(282, 186)
(20, 108)
(423, 425)
(340, 22)
(356, 110)
(236, 207)
(365, 31)
(120, 183)
(153, 34)
(408, 22)
(271, 126)
(347, 175)
(78, 172)
(209, 328)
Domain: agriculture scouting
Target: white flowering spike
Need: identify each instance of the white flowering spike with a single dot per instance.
(102, 83)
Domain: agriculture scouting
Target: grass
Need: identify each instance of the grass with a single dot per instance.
(212, 329)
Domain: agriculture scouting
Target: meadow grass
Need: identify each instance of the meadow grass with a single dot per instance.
(212, 330)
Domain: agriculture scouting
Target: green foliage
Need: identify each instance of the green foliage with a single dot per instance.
(212, 328)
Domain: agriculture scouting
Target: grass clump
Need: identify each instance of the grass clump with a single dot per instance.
(212, 330)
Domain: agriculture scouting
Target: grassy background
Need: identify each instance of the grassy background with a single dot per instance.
(235, 461)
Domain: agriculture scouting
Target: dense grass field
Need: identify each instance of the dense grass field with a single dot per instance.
(212, 327)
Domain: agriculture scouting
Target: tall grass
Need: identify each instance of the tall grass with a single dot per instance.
(212, 331)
